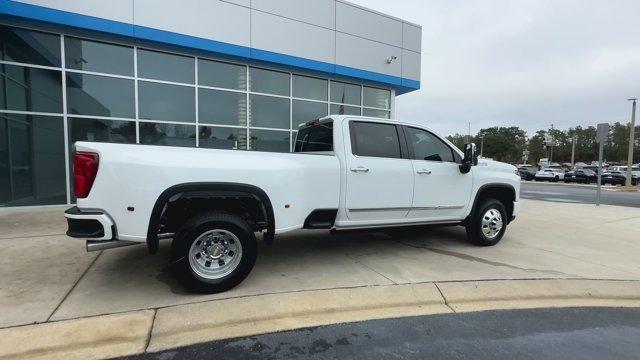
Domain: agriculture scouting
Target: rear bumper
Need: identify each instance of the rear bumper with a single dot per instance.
(94, 225)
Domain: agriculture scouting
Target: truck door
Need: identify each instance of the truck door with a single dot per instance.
(379, 182)
(441, 191)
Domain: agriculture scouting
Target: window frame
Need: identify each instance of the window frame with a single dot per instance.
(400, 133)
(455, 156)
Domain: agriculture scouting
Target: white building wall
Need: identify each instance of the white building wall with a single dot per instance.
(329, 31)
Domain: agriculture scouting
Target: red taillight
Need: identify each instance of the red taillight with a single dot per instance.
(85, 168)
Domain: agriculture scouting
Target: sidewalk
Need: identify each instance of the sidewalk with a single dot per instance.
(551, 250)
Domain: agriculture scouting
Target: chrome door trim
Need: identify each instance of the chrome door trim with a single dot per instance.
(436, 207)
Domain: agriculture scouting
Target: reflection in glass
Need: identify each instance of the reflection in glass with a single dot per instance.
(309, 88)
(222, 75)
(222, 107)
(31, 160)
(112, 131)
(345, 93)
(100, 96)
(214, 137)
(168, 67)
(269, 140)
(304, 111)
(167, 134)
(267, 111)
(97, 56)
(268, 82)
(375, 113)
(377, 98)
(31, 47)
(344, 110)
(30, 89)
(166, 102)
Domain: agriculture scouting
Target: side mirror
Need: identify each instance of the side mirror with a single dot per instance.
(470, 158)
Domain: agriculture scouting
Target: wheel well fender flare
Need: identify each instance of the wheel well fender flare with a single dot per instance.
(166, 195)
(484, 188)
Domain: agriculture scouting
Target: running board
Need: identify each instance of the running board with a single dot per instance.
(97, 245)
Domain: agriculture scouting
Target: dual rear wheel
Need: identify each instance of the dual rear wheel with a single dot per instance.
(213, 252)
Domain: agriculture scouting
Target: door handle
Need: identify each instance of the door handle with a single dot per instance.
(424, 172)
(360, 169)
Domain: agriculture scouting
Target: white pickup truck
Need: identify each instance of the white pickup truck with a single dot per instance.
(345, 173)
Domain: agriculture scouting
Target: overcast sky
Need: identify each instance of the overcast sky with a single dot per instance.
(528, 63)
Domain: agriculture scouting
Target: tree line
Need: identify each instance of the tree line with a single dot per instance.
(508, 143)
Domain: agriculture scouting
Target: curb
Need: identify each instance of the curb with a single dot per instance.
(149, 331)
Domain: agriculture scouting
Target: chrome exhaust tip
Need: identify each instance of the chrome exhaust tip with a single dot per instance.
(97, 245)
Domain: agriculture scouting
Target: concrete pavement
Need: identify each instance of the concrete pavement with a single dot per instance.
(49, 277)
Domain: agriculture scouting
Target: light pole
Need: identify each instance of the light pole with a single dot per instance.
(481, 144)
(573, 150)
(631, 140)
(551, 137)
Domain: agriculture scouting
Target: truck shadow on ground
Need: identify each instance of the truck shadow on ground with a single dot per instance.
(316, 247)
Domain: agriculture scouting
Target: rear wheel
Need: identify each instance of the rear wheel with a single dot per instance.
(488, 224)
(213, 252)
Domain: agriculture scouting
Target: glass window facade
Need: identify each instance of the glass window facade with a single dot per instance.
(222, 75)
(304, 111)
(32, 160)
(123, 93)
(222, 107)
(168, 67)
(215, 137)
(97, 56)
(100, 96)
(30, 89)
(157, 101)
(29, 47)
(269, 82)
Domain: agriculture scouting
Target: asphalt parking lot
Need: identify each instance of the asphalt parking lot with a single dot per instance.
(578, 193)
(573, 333)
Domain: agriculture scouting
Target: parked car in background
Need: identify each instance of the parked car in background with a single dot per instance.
(527, 172)
(635, 170)
(584, 176)
(549, 174)
(593, 168)
(615, 177)
(544, 162)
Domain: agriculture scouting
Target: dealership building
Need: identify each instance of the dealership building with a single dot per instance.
(234, 74)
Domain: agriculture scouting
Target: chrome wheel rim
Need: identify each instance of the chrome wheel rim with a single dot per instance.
(491, 223)
(215, 254)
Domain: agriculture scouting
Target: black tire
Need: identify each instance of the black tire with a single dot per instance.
(555, 179)
(199, 225)
(474, 228)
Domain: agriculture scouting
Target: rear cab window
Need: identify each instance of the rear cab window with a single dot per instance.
(315, 136)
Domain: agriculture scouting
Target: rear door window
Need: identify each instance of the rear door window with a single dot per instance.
(375, 139)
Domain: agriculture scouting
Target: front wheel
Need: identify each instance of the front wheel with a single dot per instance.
(213, 252)
(488, 223)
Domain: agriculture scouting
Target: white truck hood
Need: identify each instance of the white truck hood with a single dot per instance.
(497, 165)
